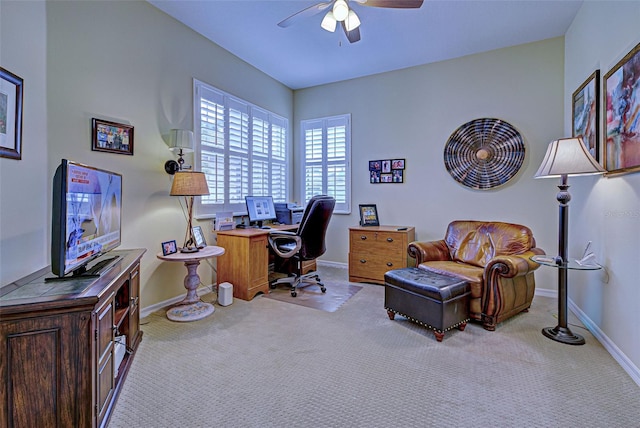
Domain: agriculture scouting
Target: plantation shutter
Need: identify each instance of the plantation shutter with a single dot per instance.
(241, 148)
(326, 147)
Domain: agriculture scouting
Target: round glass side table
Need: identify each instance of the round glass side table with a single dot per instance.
(561, 332)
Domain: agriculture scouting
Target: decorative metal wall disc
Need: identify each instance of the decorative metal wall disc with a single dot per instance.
(484, 153)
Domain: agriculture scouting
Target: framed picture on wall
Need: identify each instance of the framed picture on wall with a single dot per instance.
(386, 171)
(622, 101)
(10, 115)
(369, 215)
(111, 137)
(586, 113)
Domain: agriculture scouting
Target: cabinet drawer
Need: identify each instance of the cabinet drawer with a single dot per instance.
(377, 241)
(373, 265)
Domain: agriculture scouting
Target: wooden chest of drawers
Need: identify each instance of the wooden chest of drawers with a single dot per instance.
(374, 250)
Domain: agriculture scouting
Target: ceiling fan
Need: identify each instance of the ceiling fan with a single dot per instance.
(339, 11)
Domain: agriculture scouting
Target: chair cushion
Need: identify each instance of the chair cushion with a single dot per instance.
(476, 242)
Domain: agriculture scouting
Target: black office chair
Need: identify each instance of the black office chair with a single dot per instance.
(307, 243)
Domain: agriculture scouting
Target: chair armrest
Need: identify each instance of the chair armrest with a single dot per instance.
(282, 237)
(514, 265)
(424, 251)
(281, 232)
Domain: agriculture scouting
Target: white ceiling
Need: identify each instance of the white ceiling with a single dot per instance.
(305, 55)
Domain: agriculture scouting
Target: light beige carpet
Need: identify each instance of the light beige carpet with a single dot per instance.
(267, 363)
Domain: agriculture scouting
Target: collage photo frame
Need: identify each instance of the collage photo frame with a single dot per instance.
(386, 171)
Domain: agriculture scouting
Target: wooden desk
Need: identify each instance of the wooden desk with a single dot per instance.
(245, 263)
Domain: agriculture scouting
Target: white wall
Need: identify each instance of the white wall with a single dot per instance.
(411, 113)
(24, 222)
(121, 61)
(605, 210)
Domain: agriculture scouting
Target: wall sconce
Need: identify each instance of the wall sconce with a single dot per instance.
(181, 141)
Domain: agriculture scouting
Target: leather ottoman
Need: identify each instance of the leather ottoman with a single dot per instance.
(436, 301)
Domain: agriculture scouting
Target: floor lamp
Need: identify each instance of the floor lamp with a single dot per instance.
(189, 184)
(565, 157)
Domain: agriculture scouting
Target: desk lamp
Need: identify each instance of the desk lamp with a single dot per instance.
(565, 157)
(189, 184)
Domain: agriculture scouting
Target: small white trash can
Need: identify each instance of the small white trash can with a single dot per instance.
(225, 294)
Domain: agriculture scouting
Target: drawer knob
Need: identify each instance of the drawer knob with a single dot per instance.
(389, 264)
(363, 261)
(389, 239)
(363, 237)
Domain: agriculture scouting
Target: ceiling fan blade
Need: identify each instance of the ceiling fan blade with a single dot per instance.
(309, 11)
(353, 35)
(394, 4)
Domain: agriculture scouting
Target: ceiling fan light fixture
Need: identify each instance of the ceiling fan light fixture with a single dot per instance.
(329, 22)
(340, 10)
(352, 21)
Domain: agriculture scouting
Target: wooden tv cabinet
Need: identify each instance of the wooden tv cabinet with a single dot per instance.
(58, 361)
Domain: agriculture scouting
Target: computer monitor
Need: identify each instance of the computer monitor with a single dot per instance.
(260, 208)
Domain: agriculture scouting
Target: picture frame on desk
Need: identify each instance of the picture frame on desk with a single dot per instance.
(369, 215)
(169, 247)
(198, 236)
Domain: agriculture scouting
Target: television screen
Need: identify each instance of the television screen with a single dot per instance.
(87, 209)
(260, 208)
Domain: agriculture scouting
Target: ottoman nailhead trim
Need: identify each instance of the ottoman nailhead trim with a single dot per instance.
(427, 325)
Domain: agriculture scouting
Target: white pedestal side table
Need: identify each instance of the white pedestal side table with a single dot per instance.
(191, 308)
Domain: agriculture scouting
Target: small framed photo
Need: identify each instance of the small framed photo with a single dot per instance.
(111, 137)
(622, 104)
(10, 115)
(586, 113)
(198, 236)
(169, 247)
(369, 215)
(397, 164)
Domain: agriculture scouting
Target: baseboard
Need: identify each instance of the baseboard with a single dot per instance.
(332, 264)
(626, 364)
(607, 343)
(148, 310)
(544, 292)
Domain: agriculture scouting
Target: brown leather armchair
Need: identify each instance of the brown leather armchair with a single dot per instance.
(494, 257)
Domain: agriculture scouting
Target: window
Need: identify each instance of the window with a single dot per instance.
(241, 148)
(326, 169)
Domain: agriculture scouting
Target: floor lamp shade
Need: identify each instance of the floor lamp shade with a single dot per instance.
(189, 184)
(568, 156)
(565, 157)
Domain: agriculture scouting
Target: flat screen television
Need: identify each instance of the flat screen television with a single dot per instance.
(260, 208)
(85, 220)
